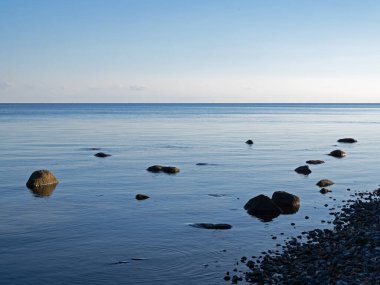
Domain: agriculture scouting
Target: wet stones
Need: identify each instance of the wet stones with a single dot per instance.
(101, 154)
(249, 142)
(288, 203)
(141, 197)
(304, 169)
(347, 140)
(41, 178)
(338, 153)
(325, 183)
(262, 207)
(210, 226)
(165, 169)
(315, 161)
(324, 191)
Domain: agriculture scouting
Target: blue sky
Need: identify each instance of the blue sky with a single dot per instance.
(189, 51)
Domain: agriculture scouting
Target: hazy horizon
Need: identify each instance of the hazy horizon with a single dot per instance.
(189, 52)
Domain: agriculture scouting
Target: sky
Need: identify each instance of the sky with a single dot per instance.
(161, 51)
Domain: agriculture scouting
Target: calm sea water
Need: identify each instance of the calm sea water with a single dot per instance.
(92, 221)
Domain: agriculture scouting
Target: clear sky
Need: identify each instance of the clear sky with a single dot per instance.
(189, 51)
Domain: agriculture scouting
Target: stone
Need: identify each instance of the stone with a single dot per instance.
(338, 153)
(141, 197)
(250, 142)
(101, 154)
(210, 226)
(347, 140)
(324, 183)
(201, 163)
(288, 203)
(170, 169)
(41, 178)
(44, 191)
(304, 169)
(315, 161)
(154, 168)
(262, 207)
(324, 190)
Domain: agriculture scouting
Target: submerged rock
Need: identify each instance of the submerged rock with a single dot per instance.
(347, 140)
(315, 161)
(101, 154)
(338, 153)
(249, 142)
(165, 169)
(325, 183)
(325, 190)
(141, 197)
(201, 163)
(209, 226)
(44, 191)
(262, 207)
(288, 203)
(304, 169)
(41, 178)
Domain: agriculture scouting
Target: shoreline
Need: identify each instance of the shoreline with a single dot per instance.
(348, 254)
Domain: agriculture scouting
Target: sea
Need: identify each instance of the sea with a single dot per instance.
(90, 229)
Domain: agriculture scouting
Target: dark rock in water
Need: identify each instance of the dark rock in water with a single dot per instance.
(347, 140)
(338, 153)
(212, 226)
(141, 197)
(304, 169)
(202, 163)
(377, 192)
(44, 191)
(325, 183)
(249, 142)
(41, 178)
(166, 169)
(324, 190)
(101, 154)
(262, 207)
(288, 203)
(154, 168)
(315, 161)
(170, 169)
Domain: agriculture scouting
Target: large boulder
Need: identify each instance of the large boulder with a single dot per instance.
(325, 183)
(304, 169)
(315, 161)
(262, 207)
(347, 140)
(338, 153)
(288, 203)
(41, 178)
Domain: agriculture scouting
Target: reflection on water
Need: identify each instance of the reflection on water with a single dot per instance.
(43, 191)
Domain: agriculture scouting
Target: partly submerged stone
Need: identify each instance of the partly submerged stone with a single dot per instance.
(324, 190)
(165, 169)
(101, 154)
(338, 153)
(43, 191)
(141, 197)
(41, 178)
(347, 140)
(304, 169)
(325, 183)
(262, 207)
(154, 168)
(209, 226)
(249, 142)
(315, 161)
(287, 202)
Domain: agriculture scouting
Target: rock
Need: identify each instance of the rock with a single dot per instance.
(154, 168)
(338, 153)
(202, 163)
(376, 192)
(249, 142)
(262, 207)
(288, 203)
(324, 190)
(304, 169)
(44, 191)
(315, 161)
(170, 169)
(347, 140)
(41, 178)
(141, 197)
(166, 169)
(324, 183)
(101, 154)
(209, 226)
